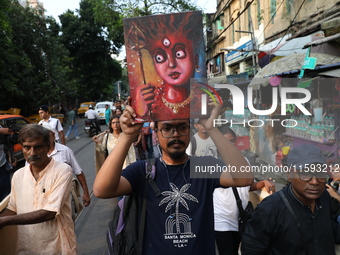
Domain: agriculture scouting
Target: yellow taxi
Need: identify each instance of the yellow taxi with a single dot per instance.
(11, 111)
(84, 108)
(54, 112)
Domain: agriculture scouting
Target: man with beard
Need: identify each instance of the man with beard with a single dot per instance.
(304, 228)
(181, 220)
(40, 199)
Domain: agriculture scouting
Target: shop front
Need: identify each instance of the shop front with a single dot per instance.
(315, 121)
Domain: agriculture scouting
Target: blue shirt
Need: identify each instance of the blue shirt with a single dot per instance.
(181, 220)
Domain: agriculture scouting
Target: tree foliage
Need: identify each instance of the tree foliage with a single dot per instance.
(43, 63)
(27, 53)
(4, 22)
(108, 9)
(108, 14)
(93, 70)
(111, 12)
(150, 7)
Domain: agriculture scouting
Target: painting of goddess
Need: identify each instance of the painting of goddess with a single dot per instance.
(166, 63)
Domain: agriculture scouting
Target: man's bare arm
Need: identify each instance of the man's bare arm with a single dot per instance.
(62, 137)
(229, 153)
(9, 217)
(270, 187)
(86, 197)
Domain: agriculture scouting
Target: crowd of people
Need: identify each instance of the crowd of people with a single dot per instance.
(141, 149)
(300, 219)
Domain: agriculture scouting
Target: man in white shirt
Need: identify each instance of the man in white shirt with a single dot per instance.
(54, 123)
(93, 116)
(64, 154)
(201, 143)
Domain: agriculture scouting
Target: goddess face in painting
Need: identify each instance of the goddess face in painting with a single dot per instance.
(174, 59)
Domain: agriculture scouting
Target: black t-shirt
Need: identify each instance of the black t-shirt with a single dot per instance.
(186, 199)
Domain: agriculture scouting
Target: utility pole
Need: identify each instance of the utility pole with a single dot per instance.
(119, 91)
(254, 44)
(253, 50)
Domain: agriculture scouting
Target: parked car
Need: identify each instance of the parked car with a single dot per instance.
(84, 107)
(54, 112)
(15, 123)
(100, 108)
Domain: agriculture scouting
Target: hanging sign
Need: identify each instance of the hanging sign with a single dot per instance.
(310, 63)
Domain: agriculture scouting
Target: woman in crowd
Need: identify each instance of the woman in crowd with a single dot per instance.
(117, 112)
(110, 139)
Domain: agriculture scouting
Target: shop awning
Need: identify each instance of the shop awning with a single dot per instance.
(281, 47)
(290, 65)
(333, 73)
(322, 41)
(292, 46)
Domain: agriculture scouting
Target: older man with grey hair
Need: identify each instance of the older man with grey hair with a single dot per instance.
(39, 201)
(296, 220)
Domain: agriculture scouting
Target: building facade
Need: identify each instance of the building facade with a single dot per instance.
(246, 38)
(34, 4)
(252, 26)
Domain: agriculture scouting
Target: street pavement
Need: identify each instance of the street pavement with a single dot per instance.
(91, 224)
